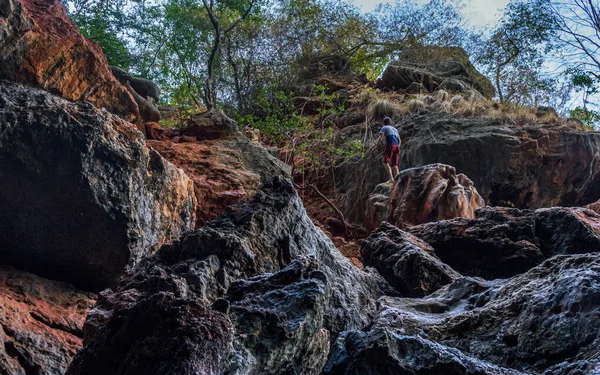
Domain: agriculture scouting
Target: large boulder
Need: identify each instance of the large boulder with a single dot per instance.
(284, 286)
(225, 166)
(40, 323)
(81, 197)
(406, 262)
(432, 193)
(435, 68)
(422, 195)
(529, 165)
(503, 242)
(42, 47)
(544, 320)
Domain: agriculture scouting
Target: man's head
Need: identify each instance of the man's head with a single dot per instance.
(387, 121)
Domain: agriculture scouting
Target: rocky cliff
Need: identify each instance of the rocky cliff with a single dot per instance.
(523, 165)
(226, 166)
(216, 268)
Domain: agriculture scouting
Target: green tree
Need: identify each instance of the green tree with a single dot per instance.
(99, 20)
(515, 52)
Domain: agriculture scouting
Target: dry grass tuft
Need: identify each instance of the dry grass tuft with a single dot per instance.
(381, 108)
(457, 101)
(416, 105)
(441, 96)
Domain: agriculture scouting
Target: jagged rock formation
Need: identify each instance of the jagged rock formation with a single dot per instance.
(382, 351)
(261, 290)
(543, 321)
(503, 242)
(40, 323)
(81, 195)
(225, 166)
(435, 68)
(285, 287)
(406, 262)
(422, 195)
(42, 47)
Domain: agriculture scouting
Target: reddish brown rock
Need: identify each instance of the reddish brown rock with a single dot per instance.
(594, 207)
(225, 166)
(432, 193)
(422, 195)
(156, 132)
(40, 323)
(42, 47)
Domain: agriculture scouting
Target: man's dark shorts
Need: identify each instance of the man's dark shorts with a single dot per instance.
(391, 155)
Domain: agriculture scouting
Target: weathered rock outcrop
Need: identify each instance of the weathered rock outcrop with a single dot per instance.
(378, 206)
(503, 242)
(525, 165)
(282, 282)
(81, 197)
(142, 91)
(225, 166)
(435, 68)
(40, 323)
(406, 262)
(517, 165)
(42, 47)
(545, 319)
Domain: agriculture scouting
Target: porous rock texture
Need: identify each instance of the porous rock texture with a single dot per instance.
(225, 166)
(521, 165)
(422, 195)
(542, 321)
(502, 242)
(378, 206)
(81, 197)
(284, 286)
(42, 47)
(40, 323)
(435, 68)
(406, 262)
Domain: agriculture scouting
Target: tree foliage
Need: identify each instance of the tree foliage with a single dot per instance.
(227, 53)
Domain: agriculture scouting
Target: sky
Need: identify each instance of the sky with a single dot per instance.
(478, 12)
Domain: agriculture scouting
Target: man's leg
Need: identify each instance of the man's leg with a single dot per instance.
(388, 168)
(395, 161)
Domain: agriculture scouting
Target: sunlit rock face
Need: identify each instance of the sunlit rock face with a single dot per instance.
(42, 47)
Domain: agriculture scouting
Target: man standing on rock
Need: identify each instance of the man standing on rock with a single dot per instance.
(391, 153)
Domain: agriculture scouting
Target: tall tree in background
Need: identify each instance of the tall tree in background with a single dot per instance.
(577, 29)
(210, 96)
(515, 52)
(100, 21)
